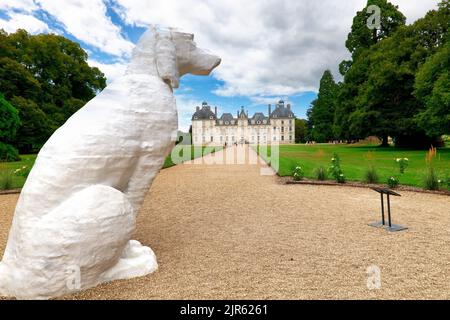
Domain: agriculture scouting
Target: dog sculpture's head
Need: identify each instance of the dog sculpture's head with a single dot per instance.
(176, 54)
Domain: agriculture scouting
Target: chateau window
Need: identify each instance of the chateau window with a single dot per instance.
(282, 122)
(290, 128)
(203, 138)
(212, 138)
(274, 138)
(282, 129)
(290, 121)
(282, 138)
(274, 128)
(290, 138)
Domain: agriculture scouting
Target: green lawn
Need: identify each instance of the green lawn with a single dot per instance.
(355, 160)
(27, 161)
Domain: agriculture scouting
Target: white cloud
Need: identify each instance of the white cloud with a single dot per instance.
(22, 5)
(23, 21)
(112, 71)
(267, 47)
(88, 22)
(186, 107)
(414, 10)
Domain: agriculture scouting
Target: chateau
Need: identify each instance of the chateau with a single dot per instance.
(209, 129)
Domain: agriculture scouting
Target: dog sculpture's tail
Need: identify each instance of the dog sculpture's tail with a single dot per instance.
(87, 252)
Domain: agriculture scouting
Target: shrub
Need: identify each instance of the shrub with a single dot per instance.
(23, 172)
(392, 182)
(321, 173)
(431, 181)
(402, 164)
(335, 169)
(6, 180)
(371, 175)
(8, 153)
(298, 173)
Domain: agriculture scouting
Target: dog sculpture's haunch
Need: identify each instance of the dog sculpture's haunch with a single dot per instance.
(77, 211)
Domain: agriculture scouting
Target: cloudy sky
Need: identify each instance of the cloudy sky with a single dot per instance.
(270, 49)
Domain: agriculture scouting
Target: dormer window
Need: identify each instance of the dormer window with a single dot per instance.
(195, 118)
(211, 118)
(258, 122)
(227, 122)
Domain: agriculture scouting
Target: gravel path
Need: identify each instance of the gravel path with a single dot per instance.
(228, 232)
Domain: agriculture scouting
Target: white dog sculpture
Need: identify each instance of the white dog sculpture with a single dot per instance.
(77, 211)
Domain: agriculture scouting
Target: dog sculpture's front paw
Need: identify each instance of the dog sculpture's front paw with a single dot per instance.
(136, 261)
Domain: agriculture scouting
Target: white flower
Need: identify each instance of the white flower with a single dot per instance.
(332, 159)
(406, 159)
(439, 181)
(341, 175)
(398, 159)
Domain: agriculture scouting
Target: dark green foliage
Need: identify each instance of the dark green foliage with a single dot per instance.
(301, 130)
(321, 113)
(35, 127)
(8, 152)
(393, 87)
(432, 88)
(9, 123)
(361, 37)
(48, 77)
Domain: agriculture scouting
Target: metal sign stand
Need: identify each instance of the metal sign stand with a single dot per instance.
(382, 224)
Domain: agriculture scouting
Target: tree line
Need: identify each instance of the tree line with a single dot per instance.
(44, 79)
(396, 83)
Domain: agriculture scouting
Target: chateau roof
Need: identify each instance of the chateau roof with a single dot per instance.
(204, 113)
(227, 117)
(282, 111)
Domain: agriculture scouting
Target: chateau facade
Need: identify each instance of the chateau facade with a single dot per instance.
(209, 129)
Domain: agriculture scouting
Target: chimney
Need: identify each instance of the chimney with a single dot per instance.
(215, 111)
(197, 108)
(270, 110)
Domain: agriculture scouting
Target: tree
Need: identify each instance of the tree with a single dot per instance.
(301, 130)
(35, 126)
(432, 88)
(321, 115)
(9, 123)
(51, 73)
(377, 95)
(361, 37)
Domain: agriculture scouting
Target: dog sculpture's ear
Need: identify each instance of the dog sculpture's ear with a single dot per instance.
(166, 58)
